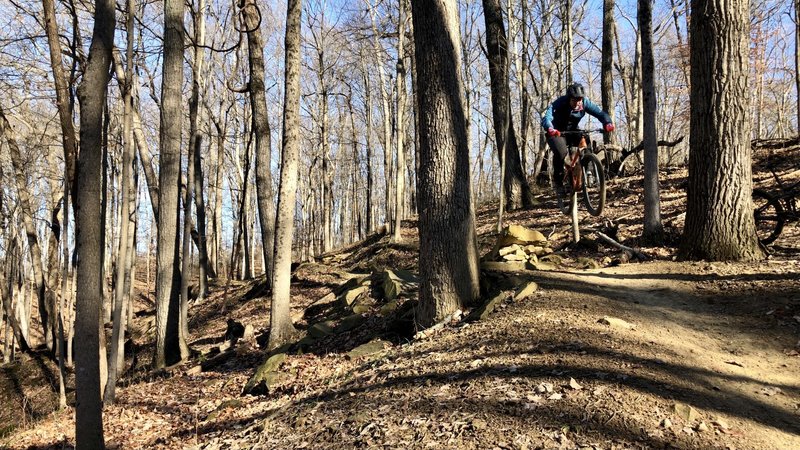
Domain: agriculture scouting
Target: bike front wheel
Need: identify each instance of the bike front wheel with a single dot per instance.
(768, 215)
(594, 184)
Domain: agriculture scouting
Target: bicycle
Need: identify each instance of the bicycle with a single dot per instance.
(772, 211)
(588, 176)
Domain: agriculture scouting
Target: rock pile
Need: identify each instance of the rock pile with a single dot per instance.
(519, 248)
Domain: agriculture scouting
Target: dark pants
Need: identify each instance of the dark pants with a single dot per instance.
(558, 147)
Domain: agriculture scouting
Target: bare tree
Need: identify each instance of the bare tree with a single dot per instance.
(281, 328)
(258, 103)
(653, 229)
(116, 357)
(168, 345)
(90, 230)
(23, 196)
(606, 65)
(448, 243)
(517, 192)
(400, 79)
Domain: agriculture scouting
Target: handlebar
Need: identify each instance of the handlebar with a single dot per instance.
(598, 130)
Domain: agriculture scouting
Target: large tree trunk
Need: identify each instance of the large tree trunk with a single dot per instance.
(168, 348)
(719, 214)
(90, 231)
(23, 194)
(281, 328)
(517, 192)
(653, 229)
(448, 244)
(258, 102)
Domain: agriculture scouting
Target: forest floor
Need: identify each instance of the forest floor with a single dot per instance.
(690, 354)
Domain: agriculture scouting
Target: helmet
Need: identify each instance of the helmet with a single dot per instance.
(575, 90)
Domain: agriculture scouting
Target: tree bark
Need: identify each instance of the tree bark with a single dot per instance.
(653, 230)
(400, 82)
(448, 243)
(168, 348)
(719, 215)
(517, 192)
(370, 221)
(90, 231)
(607, 65)
(281, 328)
(387, 123)
(258, 103)
(116, 357)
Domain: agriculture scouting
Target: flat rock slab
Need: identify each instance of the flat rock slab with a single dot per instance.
(517, 234)
(488, 307)
(350, 322)
(266, 376)
(616, 323)
(526, 290)
(369, 348)
(321, 329)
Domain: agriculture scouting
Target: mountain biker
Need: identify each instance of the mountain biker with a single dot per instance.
(564, 114)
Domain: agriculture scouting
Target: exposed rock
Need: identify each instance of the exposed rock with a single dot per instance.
(588, 263)
(369, 348)
(616, 323)
(515, 257)
(350, 322)
(538, 250)
(552, 258)
(352, 283)
(483, 311)
(360, 308)
(266, 376)
(685, 412)
(347, 298)
(526, 290)
(306, 342)
(394, 282)
(321, 329)
(539, 265)
(517, 234)
(388, 308)
(508, 250)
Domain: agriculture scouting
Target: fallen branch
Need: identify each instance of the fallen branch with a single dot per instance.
(639, 255)
(628, 152)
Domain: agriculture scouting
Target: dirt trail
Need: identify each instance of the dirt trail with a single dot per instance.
(705, 333)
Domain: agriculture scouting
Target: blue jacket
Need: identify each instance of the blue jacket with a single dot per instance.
(561, 117)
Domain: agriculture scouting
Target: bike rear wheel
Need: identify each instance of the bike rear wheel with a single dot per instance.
(594, 184)
(768, 215)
